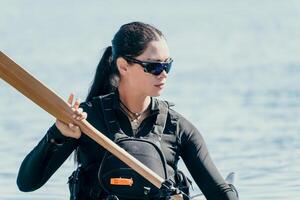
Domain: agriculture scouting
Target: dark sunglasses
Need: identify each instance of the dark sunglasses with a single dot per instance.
(152, 67)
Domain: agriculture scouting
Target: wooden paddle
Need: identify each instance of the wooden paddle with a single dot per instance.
(48, 100)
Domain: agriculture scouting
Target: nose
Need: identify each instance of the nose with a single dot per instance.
(163, 74)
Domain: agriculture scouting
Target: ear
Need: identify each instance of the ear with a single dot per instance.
(122, 65)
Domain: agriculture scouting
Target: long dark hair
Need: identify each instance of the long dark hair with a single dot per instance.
(131, 40)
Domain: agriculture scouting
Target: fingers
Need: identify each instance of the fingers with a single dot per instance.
(73, 127)
(75, 107)
(70, 99)
(84, 116)
(78, 112)
(76, 104)
(76, 133)
(80, 115)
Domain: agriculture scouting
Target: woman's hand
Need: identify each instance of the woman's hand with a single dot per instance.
(71, 130)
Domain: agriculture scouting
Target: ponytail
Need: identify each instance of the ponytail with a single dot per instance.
(105, 81)
(106, 76)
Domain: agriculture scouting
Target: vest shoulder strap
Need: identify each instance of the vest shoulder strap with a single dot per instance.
(109, 116)
(161, 118)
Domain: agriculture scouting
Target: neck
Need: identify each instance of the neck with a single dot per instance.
(134, 101)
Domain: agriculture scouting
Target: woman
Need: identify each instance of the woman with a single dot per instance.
(130, 74)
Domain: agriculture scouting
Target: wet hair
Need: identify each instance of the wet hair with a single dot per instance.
(130, 40)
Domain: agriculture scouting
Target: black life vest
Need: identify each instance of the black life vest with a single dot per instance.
(115, 177)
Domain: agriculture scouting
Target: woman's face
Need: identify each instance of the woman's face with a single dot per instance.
(145, 83)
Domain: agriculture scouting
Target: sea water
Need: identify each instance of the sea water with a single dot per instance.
(235, 76)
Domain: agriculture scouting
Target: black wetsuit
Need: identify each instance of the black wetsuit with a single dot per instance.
(54, 149)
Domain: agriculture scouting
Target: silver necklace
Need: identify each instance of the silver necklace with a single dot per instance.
(132, 115)
(134, 118)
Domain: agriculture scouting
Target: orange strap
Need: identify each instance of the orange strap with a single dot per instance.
(121, 181)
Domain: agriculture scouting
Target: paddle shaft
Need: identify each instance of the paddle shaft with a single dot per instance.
(36, 91)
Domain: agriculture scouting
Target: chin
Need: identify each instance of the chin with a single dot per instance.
(156, 93)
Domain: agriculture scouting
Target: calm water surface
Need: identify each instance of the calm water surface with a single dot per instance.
(236, 77)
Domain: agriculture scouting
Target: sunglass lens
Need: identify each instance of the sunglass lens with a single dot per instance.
(168, 67)
(157, 68)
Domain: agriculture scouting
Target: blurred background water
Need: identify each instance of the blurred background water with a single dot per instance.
(235, 76)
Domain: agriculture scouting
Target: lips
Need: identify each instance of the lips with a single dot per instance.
(159, 85)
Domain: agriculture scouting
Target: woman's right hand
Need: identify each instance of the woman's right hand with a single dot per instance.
(71, 130)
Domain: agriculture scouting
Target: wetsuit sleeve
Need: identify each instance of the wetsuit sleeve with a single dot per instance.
(198, 161)
(39, 165)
